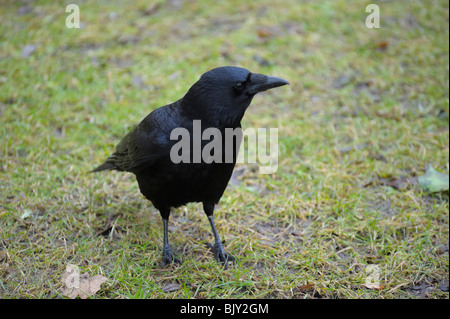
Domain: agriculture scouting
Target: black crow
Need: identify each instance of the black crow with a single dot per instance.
(217, 100)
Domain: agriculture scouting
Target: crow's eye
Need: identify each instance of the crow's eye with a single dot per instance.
(239, 86)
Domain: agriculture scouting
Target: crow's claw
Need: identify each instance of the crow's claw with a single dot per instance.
(221, 255)
(169, 258)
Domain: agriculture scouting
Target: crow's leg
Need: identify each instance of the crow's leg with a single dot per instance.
(168, 257)
(219, 252)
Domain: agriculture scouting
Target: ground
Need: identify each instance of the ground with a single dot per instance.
(366, 113)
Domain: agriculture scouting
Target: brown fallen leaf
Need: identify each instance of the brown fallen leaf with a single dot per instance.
(400, 183)
(4, 256)
(306, 287)
(382, 45)
(374, 285)
(266, 32)
(80, 284)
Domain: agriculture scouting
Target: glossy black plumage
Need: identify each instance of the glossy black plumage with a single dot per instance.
(218, 100)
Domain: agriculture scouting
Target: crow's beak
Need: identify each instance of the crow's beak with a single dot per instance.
(260, 82)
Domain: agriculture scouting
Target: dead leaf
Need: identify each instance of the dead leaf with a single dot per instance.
(434, 181)
(4, 256)
(152, 9)
(27, 50)
(171, 287)
(382, 45)
(80, 284)
(306, 287)
(374, 285)
(399, 183)
(266, 32)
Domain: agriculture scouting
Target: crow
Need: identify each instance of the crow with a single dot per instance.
(218, 100)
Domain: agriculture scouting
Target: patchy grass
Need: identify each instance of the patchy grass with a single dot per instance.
(365, 106)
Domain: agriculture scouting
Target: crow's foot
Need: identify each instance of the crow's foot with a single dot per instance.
(169, 258)
(221, 255)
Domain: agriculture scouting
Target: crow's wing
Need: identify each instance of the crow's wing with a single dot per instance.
(146, 143)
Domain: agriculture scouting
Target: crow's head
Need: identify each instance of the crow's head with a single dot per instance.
(223, 94)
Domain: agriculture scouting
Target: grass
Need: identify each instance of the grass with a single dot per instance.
(364, 106)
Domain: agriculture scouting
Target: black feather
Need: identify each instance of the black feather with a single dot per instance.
(218, 102)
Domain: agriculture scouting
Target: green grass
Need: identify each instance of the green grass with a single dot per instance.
(364, 105)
